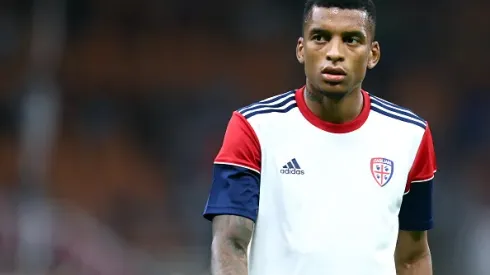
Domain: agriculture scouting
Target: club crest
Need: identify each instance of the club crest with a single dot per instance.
(382, 170)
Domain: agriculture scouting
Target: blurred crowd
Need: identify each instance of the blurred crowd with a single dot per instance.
(112, 111)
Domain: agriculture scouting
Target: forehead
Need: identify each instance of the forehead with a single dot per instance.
(335, 19)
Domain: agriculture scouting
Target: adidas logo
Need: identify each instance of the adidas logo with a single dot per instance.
(292, 168)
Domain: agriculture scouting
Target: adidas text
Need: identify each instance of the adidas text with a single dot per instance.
(292, 171)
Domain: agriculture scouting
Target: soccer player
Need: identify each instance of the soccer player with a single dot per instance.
(327, 179)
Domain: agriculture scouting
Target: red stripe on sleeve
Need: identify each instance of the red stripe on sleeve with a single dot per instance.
(424, 165)
(241, 146)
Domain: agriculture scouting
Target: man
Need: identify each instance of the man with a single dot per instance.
(344, 177)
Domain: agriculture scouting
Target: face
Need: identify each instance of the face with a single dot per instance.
(337, 49)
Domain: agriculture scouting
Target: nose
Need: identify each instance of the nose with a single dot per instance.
(334, 50)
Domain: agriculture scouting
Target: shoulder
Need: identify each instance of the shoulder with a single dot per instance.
(278, 104)
(392, 111)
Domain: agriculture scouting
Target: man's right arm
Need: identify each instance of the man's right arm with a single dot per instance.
(233, 201)
(231, 237)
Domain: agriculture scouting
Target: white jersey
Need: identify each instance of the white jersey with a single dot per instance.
(326, 198)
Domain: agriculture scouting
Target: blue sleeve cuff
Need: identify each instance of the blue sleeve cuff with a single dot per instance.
(417, 226)
(211, 212)
(416, 210)
(234, 191)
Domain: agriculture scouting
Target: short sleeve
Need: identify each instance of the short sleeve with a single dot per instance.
(236, 173)
(416, 210)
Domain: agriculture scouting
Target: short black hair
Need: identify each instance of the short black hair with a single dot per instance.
(363, 5)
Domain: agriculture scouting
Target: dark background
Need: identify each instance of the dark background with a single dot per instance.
(111, 112)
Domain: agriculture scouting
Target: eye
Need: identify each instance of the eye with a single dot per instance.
(318, 38)
(352, 40)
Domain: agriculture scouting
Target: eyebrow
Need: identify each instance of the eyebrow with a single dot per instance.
(347, 33)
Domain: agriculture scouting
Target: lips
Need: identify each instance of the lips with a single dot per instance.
(333, 75)
(334, 71)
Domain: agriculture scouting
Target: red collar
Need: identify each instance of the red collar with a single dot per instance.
(329, 126)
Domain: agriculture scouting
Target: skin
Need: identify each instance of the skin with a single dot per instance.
(412, 254)
(231, 237)
(339, 38)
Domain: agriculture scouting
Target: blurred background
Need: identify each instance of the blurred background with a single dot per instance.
(111, 112)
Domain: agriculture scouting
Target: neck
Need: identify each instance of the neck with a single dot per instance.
(335, 110)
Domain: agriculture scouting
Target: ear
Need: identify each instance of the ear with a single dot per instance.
(300, 55)
(374, 55)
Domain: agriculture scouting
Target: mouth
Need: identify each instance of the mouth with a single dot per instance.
(333, 71)
(333, 74)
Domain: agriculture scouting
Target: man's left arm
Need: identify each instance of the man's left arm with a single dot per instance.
(412, 254)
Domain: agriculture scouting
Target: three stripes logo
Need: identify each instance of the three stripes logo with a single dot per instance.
(292, 168)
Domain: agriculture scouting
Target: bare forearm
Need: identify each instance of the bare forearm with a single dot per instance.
(228, 258)
(420, 266)
(231, 236)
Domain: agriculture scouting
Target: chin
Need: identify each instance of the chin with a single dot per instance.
(335, 92)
